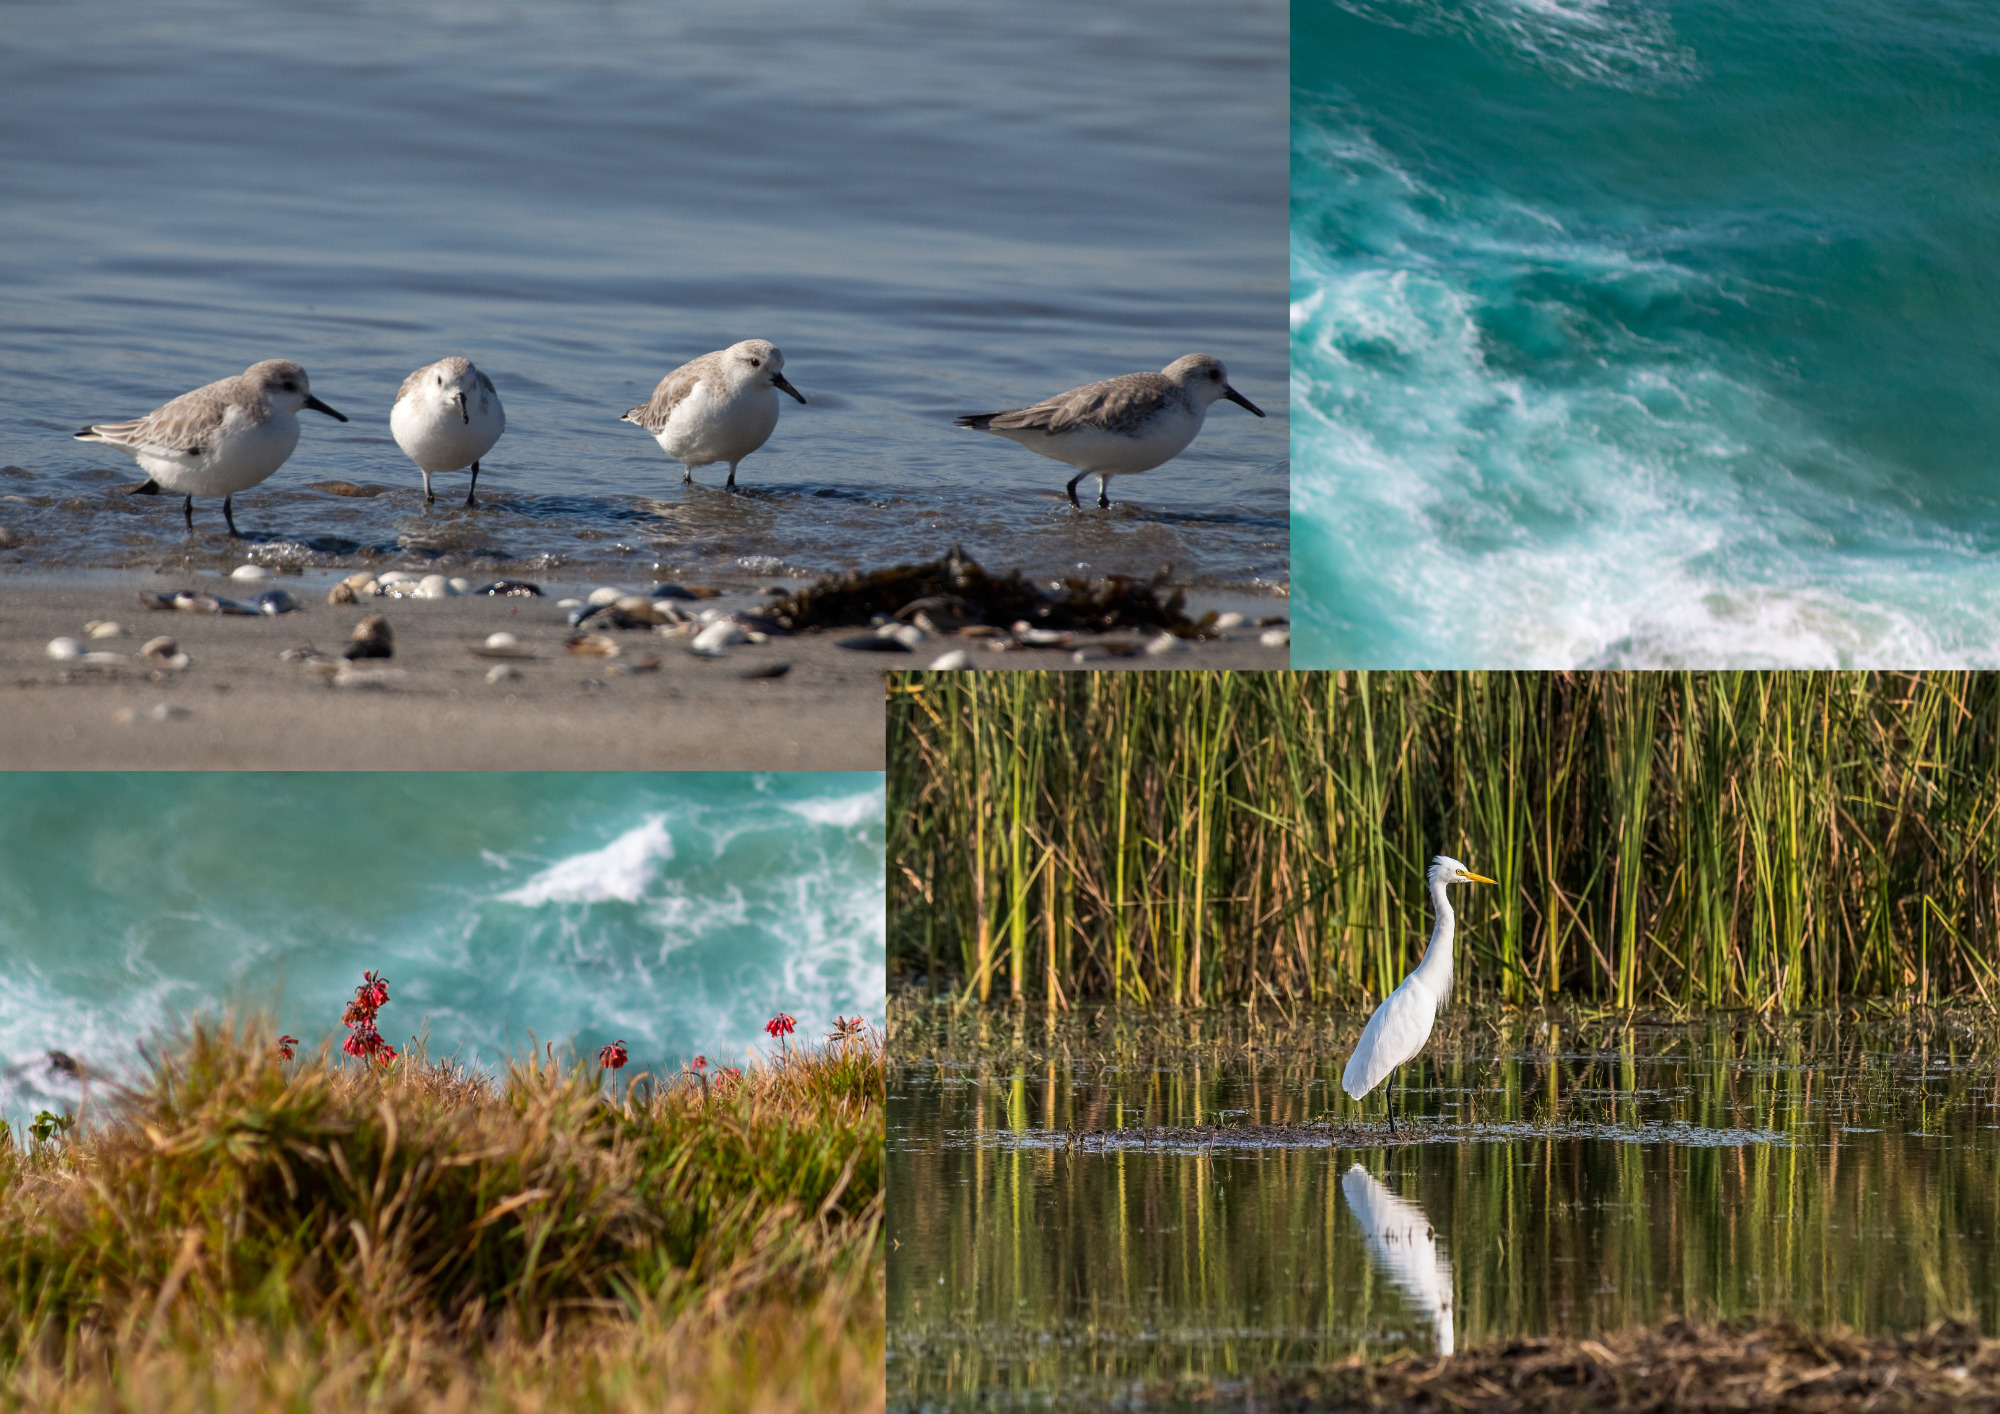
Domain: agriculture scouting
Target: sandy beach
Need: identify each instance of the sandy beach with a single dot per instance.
(435, 704)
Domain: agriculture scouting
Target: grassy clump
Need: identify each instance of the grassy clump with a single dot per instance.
(1774, 1365)
(1774, 840)
(243, 1232)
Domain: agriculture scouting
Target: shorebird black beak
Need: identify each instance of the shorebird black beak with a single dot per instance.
(463, 415)
(778, 381)
(1241, 401)
(317, 406)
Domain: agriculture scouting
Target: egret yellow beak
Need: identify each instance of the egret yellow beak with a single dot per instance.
(1472, 878)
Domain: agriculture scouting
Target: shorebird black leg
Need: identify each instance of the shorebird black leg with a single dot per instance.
(1072, 489)
(229, 515)
(473, 487)
(1392, 1109)
(730, 484)
(428, 495)
(187, 513)
(1104, 493)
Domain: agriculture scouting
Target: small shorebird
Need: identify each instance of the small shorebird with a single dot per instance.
(447, 416)
(219, 439)
(720, 407)
(1120, 426)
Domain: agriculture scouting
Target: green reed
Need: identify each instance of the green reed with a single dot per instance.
(1775, 840)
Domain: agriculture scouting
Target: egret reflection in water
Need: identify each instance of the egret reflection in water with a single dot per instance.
(1404, 1246)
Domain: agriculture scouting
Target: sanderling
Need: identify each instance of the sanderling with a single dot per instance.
(217, 440)
(720, 407)
(1120, 426)
(446, 418)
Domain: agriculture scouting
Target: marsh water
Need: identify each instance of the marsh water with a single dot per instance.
(1568, 1177)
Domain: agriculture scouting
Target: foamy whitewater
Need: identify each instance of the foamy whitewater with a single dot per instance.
(676, 912)
(1642, 334)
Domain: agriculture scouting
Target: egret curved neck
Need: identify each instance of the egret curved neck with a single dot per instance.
(1435, 969)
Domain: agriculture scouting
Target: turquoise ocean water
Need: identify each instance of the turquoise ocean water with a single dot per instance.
(677, 912)
(1640, 333)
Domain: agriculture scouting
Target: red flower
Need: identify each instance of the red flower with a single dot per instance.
(613, 1056)
(287, 1046)
(700, 1062)
(366, 1043)
(780, 1025)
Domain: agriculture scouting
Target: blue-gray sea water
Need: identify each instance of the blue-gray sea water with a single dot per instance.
(931, 208)
(677, 912)
(1646, 332)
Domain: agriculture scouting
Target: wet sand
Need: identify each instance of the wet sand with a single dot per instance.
(239, 706)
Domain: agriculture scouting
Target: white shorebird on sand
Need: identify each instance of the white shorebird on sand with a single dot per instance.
(720, 407)
(446, 418)
(219, 439)
(1120, 426)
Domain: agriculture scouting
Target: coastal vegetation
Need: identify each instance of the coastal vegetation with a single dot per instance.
(245, 1230)
(1770, 840)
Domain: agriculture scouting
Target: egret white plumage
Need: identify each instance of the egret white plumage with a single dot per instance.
(1401, 1025)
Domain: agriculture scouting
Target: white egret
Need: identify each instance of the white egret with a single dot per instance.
(1401, 1025)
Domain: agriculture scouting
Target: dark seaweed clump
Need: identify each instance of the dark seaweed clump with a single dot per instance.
(956, 589)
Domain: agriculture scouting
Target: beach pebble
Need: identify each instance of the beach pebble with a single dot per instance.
(276, 601)
(502, 645)
(592, 645)
(909, 635)
(1275, 637)
(643, 665)
(604, 594)
(103, 628)
(1041, 637)
(433, 586)
(672, 591)
(502, 672)
(371, 639)
(392, 577)
(567, 604)
(66, 650)
(1225, 622)
(176, 661)
(341, 593)
(359, 578)
(167, 711)
(948, 662)
(161, 647)
(723, 633)
(459, 586)
(502, 640)
(246, 574)
(1166, 643)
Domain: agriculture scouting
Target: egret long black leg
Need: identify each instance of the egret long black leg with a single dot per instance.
(187, 513)
(230, 515)
(1390, 1094)
(1072, 489)
(473, 487)
(1104, 493)
(429, 496)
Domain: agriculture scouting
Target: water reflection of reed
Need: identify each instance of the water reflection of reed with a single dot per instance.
(1769, 839)
(1880, 1207)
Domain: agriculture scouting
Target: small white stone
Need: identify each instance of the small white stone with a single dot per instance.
(502, 640)
(105, 630)
(460, 586)
(161, 647)
(359, 578)
(1166, 643)
(724, 633)
(177, 661)
(909, 635)
(66, 650)
(952, 661)
(502, 672)
(1225, 622)
(604, 594)
(389, 577)
(567, 604)
(1275, 637)
(167, 711)
(246, 573)
(434, 586)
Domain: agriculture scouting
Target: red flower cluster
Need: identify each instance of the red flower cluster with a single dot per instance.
(699, 1062)
(287, 1047)
(613, 1056)
(727, 1074)
(363, 1041)
(780, 1025)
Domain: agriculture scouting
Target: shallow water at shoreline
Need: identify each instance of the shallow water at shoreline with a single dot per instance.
(1835, 1170)
(583, 198)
